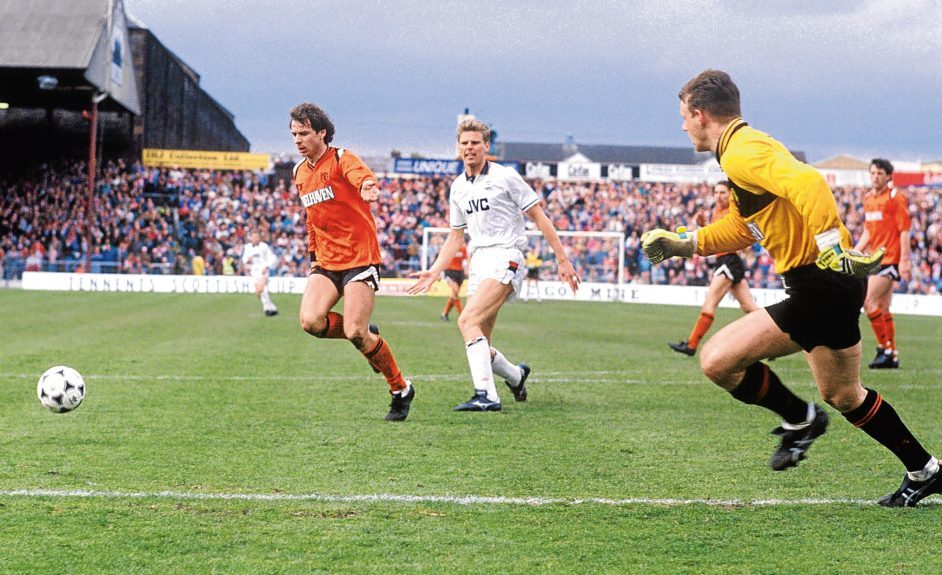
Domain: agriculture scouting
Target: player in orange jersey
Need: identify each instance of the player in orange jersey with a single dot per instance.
(454, 277)
(729, 275)
(887, 222)
(336, 189)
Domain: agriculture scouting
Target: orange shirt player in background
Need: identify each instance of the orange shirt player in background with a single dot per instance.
(335, 187)
(454, 277)
(886, 225)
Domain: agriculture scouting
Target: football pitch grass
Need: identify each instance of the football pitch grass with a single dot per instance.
(216, 440)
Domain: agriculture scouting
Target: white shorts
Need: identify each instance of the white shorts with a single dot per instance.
(504, 265)
(258, 273)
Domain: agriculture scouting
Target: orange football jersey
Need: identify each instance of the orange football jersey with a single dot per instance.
(886, 216)
(457, 262)
(340, 226)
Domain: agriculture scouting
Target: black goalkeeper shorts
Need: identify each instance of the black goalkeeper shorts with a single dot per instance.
(822, 308)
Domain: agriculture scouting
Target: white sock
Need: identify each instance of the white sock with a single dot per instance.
(926, 472)
(479, 360)
(405, 391)
(504, 368)
(266, 300)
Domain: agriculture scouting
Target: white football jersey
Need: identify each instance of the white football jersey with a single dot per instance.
(491, 207)
(258, 258)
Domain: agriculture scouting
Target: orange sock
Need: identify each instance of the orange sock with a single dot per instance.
(699, 330)
(382, 360)
(878, 323)
(458, 305)
(889, 330)
(448, 305)
(334, 326)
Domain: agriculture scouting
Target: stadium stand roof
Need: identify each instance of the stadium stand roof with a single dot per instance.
(602, 153)
(71, 43)
(606, 154)
(534, 152)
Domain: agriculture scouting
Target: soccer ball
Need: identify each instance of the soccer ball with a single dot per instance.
(61, 389)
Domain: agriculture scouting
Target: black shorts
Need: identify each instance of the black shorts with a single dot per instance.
(822, 308)
(340, 278)
(533, 273)
(731, 266)
(456, 276)
(889, 271)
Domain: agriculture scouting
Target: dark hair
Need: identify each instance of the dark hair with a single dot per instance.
(882, 164)
(712, 91)
(315, 117)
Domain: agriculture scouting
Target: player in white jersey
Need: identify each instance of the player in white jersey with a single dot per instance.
(488, 201)
(258, 258)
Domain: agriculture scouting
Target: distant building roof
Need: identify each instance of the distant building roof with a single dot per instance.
(602, 153)
(843, 162)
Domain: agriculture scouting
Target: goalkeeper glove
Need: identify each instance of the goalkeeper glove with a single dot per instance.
(659, 244)
(849, 262)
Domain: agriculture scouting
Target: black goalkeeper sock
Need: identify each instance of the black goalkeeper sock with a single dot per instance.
(879, 420)
(760, 386)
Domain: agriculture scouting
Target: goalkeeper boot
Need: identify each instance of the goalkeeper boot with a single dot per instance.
(400, 404)
(683, 348)
(796, 442)
(520, 390)
(911, 492)
(479, 402)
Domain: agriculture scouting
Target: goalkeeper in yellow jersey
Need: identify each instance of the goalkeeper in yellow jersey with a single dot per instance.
(787, 207)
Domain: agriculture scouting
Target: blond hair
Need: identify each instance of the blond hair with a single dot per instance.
(474, 126)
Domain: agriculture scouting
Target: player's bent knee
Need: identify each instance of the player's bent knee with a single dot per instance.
(358, 336)
(842, 399)
(314, 325)
(713, 364)
(467, 321)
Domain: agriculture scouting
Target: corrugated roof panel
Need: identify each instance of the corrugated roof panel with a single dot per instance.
(50, 33)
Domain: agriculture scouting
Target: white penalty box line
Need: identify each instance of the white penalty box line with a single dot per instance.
(470, 500)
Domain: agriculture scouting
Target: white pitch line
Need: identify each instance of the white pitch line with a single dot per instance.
(577, 377)
(546, 377)
(454, 499)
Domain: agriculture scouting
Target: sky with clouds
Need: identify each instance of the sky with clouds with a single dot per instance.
(839, 76)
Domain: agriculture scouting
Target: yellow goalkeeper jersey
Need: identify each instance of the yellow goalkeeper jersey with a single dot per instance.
(782, 203)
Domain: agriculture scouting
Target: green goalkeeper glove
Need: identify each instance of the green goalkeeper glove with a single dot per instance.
(659, 244)
(849, 262)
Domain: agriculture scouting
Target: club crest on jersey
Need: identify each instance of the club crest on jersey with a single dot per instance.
(317, 196)
(477, 206)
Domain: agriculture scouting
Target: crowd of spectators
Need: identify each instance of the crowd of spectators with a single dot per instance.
(149, 220)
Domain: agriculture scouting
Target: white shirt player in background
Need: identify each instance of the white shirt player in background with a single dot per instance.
(488, 201)
(258, 258)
